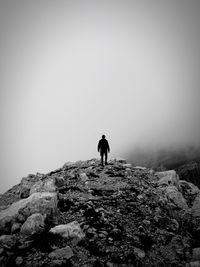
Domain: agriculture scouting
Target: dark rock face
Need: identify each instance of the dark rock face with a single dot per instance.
(190, 172)
(85, 215)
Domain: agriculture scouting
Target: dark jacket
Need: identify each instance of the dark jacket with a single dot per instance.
(103, 146)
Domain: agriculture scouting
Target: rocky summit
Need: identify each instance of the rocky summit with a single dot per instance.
(86, 215)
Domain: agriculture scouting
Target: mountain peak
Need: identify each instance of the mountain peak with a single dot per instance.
(89, 215)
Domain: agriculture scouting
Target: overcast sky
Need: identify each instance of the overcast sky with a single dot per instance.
(71, 71)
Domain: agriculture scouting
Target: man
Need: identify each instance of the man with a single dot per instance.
(103, 148)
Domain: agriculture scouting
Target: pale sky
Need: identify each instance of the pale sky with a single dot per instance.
(74, 70)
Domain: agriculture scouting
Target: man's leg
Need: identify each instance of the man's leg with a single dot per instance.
(106, 157)
(102, 159)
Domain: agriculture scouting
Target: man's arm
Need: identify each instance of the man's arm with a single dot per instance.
(98, 148)
(108, 147)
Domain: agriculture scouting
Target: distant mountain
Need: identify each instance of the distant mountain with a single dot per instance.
(190, 172)
(165, 158)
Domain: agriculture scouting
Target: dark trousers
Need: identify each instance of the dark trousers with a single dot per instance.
(104, 153)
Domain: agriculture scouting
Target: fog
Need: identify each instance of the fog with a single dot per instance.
(74, 70)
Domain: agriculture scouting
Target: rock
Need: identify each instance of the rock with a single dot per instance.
(98, 263)
(27, 183)
(196, 254)
(91, 232)
(15, 228)
(57, 171)
(133, 218)
(24, 243)
(3, 261)
(69, 231)
(61, 253)
(44, 203)
(1, 251)
(20, 218)
(115, 234)
(174, 225)
(193, 264)
(168, 178)
(83, 176)
(176, 197)
(189, 187)
(103, 234)
(127, 165)
(8, 241)
(196, 207)
(120, 160)
(5, 222)
(146, 222)
(19, 261)
(189, 192)
(139, 252)
(3, 207)
(24, 192)
(140, 168)
(57, 263)
(59, 181)
(35, 224)
(68, 165)
(47, 185)
(140, 197)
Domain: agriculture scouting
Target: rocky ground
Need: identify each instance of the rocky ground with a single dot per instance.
(87, 215)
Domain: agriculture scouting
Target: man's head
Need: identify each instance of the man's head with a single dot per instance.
(103, 136)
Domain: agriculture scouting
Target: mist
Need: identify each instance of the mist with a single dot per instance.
(74, 70)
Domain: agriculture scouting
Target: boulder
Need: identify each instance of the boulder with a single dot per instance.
(176, 197)
(35, 224)
(69, 231)
(47, 185)
(61, 253)
(168, 178)
(44, 203)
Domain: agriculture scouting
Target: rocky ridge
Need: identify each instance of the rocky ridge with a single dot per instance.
(86, 215)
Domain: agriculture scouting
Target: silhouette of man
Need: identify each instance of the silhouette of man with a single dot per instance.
(103, 148)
